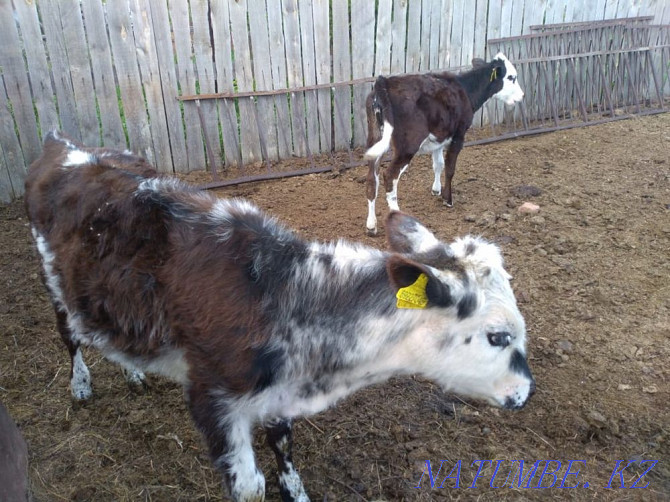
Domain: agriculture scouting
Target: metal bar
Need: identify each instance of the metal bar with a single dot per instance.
(604, 22)
(582, 108)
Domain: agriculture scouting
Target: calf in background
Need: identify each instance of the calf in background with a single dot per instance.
(259, 325)
(425, 113)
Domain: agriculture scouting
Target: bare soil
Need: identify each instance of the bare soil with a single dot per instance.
(591, 274)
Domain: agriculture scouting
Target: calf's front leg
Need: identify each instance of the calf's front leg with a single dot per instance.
(280, 439)
(229, 438)
(454, 149)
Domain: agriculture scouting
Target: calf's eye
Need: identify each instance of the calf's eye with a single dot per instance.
(499, 339)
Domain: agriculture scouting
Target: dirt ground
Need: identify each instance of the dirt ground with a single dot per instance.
(591, 274)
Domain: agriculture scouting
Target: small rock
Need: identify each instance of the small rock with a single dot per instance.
(537, 220)
(470, 218)
(528, 208)
(650, 389)
(596, 418)
(565, 345)
(487, 219)
(623, 386)
(506, 217)
(486, 431)
(524, 191)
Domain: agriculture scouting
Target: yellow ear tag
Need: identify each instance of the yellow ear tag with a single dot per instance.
(494, 74)
(414, 295)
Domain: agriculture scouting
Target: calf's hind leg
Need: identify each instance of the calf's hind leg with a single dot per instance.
(80, 377)
(280, 439)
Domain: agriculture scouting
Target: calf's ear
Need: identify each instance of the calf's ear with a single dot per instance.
(416, 286)
(407, 235)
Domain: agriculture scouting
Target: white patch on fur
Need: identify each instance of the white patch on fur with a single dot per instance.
(292, 483)
(135, 378)
(371, 222)
(430, 144)
(48, 258)
(248, 481)
(381, 146)
(438, 167)
(78, 158)
(511, 91)
(80, 384)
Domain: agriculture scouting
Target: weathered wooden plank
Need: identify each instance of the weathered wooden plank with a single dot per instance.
(413, 45)
(103, 74)
(179, 14)
(79, 67)
(17, 84)
(611, 9)
(533, 14)
(443, 56)
(457, 34)
(341, 73)
(172, 132)
(383, 38)
(479, 50)
(38, 68)
(260, 48)
(398, 36)
(124, 58)
(224, 77)
(12, 163)
(516, 22)
(321, 18)
(6, 190)
(309, 72)
(362, 39)
(55, 42)
(206, 77)
(468, 35)
(294, 75)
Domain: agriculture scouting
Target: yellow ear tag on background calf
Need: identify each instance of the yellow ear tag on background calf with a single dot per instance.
(414, 295)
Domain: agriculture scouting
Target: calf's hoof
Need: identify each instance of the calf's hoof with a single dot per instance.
(372, 232)
(435, 193)
(448, 204)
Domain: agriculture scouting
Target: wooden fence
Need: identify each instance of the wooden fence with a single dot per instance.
(116, 72)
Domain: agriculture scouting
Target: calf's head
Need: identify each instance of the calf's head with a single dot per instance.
(475, 336)
(504, 79)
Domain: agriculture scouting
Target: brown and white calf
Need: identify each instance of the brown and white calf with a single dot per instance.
(414, 114)
(259, 325)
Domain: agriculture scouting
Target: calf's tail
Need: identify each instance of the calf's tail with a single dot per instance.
(381, 105)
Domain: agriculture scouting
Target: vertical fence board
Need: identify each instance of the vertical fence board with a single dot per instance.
(224, 80)
(38, 68)
(445, 34)
(172, 131)
(457, 34)
(249, 135)
(309, 72)
(206, 77)
(279, 78)
(78, 63)
(321, 19)
(294, 75)
(413, 43)
(383, 40)
(17, 85)
(362, 40)
(124, 57)
(103, 74)
(341, 72)
(54, 37)
(179, 15)
(398, 36)
(262, 66)
(12, 165)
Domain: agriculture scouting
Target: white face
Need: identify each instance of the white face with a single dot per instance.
(511, 92)
(484, 354)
